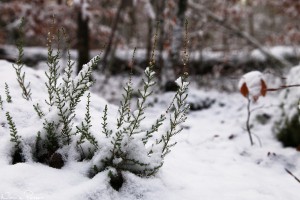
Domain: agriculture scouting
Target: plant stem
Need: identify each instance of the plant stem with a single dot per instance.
(248, 121)
(290, 173)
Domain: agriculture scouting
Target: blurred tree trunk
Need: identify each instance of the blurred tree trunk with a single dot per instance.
(178, 37)
(160, 17)
(112, 34)
(149, 40)
(279, 62)
(83, 40)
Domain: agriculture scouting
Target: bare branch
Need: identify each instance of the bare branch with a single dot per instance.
(290, 173)
(238, 32)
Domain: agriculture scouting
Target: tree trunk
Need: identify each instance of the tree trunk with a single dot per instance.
(149, 41)
(112, 34)
(159, 67)
(234, 29)
(178, 38)
(83, 40)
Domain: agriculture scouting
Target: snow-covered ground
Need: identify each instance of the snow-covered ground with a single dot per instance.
(213, 158)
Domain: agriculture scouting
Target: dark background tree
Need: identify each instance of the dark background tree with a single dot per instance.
(83, 46)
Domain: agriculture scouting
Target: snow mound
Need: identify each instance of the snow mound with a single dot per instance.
(212, 160)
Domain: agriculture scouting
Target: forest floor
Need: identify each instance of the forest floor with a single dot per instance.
(213, 158)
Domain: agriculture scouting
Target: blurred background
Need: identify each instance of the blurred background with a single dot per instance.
(225, 37)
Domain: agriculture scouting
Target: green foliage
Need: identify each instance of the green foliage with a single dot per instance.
(124, 108)
(53, 73)
(178, 116)
(14, 137)
(289, 133)
(84, 129)
(1, 103)
(7, 92)
(64, 97)
(287, 124)
(26, 91)
(51, 142)
(105, 130)
(130, 135)
(38, 146)
(38, 110)
(129, 147)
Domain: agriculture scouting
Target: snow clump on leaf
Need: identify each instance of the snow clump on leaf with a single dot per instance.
(253, 85)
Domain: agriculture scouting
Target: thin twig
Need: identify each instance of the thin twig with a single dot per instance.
(258, 139)
(248, 121)
(236, 30)
(282, 87)
(290, 173)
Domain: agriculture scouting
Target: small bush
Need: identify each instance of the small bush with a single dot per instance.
(127, 147)
(288, 124)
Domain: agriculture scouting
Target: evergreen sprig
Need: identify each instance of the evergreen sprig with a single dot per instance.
(141, 102)
(53, 65)
(124, 109)
(154, 128)
(38, 110)
(14, 137)
(104, 124)
(52, 139)
(65, 118)
(75, 90)
(26, 91)
(82, 82)
(84, 129)
(67, 79)
(1, 103)
(177, 117)
(7, 92)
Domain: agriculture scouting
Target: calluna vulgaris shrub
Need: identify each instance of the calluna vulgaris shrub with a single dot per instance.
(126, 147)
(287, 128)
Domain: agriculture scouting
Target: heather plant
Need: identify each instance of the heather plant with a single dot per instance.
(288, 121)
(62, 102)
(16, 139)
(7, 92)
(26, 91)
(58, 112)
(1, 103)
(128, 146)
(131, 147)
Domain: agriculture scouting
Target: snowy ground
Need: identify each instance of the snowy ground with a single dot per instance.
(213, 158)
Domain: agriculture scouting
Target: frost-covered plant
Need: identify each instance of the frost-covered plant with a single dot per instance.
(38, 110)
(53, 69)
(252, 85)
(26, 91)
(7, 92)
(131, 147)
(127, 147)
(14, 138)
(63, 96)
(85, 133)
(288, 123)
(1, 103)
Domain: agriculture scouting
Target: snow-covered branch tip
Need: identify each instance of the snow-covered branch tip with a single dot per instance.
(26, 91)
(178, 116)
(7, 92)
(15, 138)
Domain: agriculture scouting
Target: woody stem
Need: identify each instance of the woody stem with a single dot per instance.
(248, 121)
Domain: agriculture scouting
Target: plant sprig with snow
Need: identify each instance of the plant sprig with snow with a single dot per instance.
(26, 91)
(129, 146)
